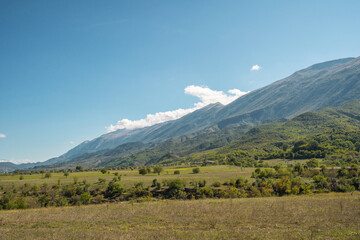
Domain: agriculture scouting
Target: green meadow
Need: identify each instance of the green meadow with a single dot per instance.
(130, 177)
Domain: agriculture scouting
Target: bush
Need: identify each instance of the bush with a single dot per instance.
(85, 198)
(154, 182)
(158, 169)
(206, 192)
(61, 201)
(102, 180)
(143, 171)
(113, 190)
(216, 184)
(312, 163)
(196, 170)
(176, 172)
(282, 186)
(175, 189)
(79, 169)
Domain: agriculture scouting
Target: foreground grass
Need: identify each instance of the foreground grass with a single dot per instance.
(327, 216)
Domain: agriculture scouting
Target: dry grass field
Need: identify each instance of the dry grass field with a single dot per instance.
(322, 216)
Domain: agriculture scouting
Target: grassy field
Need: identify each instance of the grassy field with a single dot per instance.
(129, 178)
(322, 216)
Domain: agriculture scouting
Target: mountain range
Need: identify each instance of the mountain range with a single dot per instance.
(319, 86)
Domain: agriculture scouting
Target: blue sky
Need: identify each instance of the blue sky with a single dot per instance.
(68, 69)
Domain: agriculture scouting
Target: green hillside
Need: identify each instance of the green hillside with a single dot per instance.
(332, 133)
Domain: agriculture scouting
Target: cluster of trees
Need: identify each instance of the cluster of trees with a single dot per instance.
(336, 152)
(155, 169)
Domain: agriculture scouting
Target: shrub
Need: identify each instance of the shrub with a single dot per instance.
(102, 180)
(154, 182)
(175, 189)
(79, 168)
(216, 184)
(282, 186)
(61, 201)
(196, 170)
(254, 192)
(143, 171)
(85, 198)
(158, 169)
(113, 190)
(312, 163)
(205, 191)
(176, 172)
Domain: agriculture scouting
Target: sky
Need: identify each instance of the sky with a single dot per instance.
(71, 71)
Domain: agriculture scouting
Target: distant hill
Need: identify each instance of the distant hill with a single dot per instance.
(7, 167)
(335, 130)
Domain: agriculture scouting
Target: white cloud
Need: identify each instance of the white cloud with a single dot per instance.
(17, 161)
(206, 95)
(72, 142)
(255, 68)
(2, 135)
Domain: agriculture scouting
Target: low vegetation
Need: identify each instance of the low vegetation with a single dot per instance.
(299, 179)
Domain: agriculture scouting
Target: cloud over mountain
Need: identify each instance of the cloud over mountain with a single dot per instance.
(206, 95)
(255, 68)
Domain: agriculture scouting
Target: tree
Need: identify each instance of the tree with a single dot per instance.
(143, 171)
(196, 170)
(312, 163)
(313, 145)
(66, 174)
(113, 190)
(299, 145)
(79, 168)
(158, 169)
(103, 171)
(102, 180)
(298, 168)
(175, 189)
(176, 172)
(154, 182)
(47, 175)
(85, 198)
(282, 186)
(357, 146)
(285, 146)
